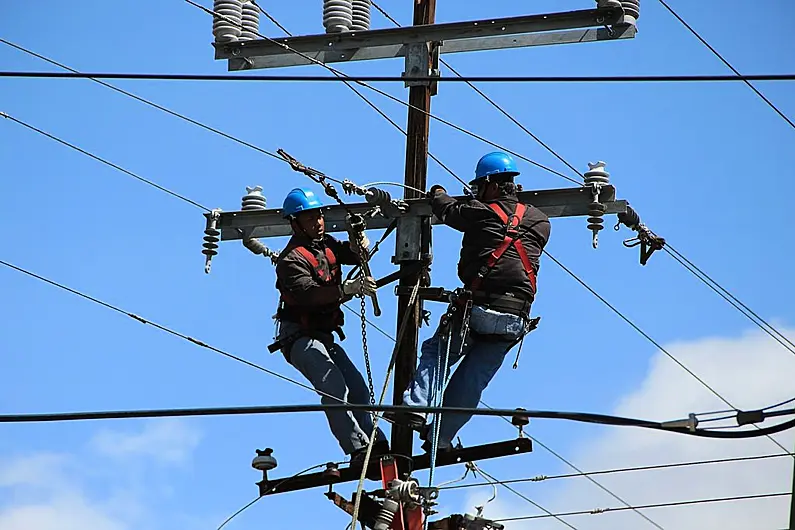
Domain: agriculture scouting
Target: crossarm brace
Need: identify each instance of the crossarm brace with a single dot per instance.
(456, 456)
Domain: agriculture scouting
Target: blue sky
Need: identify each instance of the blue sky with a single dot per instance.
(704, 164)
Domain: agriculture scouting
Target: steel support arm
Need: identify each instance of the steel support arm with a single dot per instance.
(446, 458)
(563, 202)
(381, 43)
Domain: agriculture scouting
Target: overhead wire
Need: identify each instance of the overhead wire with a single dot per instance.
(588, 477)
(543, 478)
(148, 76)
(546, 447)
(650, 506)
(244, 508)
(765, 326)
(370, 104)
(579, 174)
(649, 338)
(526, 498)
(104, 161)
(166, 329)
(387, 95)
(724, 61)
(491, 101)
(672, 251)
(146, 101)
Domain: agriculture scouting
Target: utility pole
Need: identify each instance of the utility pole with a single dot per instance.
(792, 502)
(415, 176)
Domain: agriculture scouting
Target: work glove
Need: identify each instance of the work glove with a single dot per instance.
(364, 244)
(432, 192)
(361, 285)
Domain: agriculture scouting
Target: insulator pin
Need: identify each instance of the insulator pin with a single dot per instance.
(211, 239)
(595, 178)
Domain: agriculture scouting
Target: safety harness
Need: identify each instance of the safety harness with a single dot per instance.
(512, 238)
(289, 307)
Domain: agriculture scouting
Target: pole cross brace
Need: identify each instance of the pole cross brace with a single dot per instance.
(423, 461)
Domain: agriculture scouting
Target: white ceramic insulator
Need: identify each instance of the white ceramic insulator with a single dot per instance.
(361, 15)
(337, 15)
(226, 28)
(250, 21)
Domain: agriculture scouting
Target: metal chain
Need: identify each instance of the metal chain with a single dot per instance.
(363, 315)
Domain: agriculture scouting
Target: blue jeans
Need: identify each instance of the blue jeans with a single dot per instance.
(328, 368)
(481, 360)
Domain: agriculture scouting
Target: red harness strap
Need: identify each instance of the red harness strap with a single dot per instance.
(324, 277)
(512, 238)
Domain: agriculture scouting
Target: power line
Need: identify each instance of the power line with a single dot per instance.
(542, 478)
(537, 441)
(147, 102)
(106, 162)
(650, 339)
(730, 298)
(525, 497)
(387, 95)
(724, 61)
(399, 79)
(164, 328)
(649, 506)
(492, 102)
(278, 484)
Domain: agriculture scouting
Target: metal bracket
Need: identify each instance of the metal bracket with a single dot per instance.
(407, 240)
(423, 461)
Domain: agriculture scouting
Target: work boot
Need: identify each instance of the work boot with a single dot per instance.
(380, 448)
(412, 420)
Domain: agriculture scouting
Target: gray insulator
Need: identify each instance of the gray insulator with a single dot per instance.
(595, 178)
(254, 200)
(264, 461)
(226, 28)
(361, 15)
(250, 21)
(631, 10)
(384, 518)
(378, 197)
(596, 174)
(337, 15)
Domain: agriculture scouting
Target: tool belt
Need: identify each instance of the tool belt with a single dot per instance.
(504, 303)
(285, 344)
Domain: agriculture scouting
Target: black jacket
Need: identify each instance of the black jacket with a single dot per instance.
(483, 232)
(296, 277)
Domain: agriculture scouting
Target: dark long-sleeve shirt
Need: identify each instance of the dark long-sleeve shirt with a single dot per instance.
(296, 276)
(484, 231)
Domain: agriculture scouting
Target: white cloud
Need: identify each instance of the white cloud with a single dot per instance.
(166, 441)
(45, 491)
(752, 371)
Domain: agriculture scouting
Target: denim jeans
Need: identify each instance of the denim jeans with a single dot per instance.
(480, 359)
(328, 368)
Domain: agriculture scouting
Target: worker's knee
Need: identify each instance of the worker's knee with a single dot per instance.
(332, 383)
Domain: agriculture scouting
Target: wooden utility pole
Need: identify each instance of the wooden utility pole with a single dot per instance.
(415, 176)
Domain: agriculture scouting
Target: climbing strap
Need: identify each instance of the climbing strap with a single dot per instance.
(512, 238)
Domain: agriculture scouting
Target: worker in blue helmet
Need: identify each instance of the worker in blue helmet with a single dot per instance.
(502, 243)
(309, 279)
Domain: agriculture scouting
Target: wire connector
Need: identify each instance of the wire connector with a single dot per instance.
(690, 423)
(649, 242)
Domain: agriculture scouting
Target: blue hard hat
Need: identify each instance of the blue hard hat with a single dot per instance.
(300, 200)
(496, 163)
